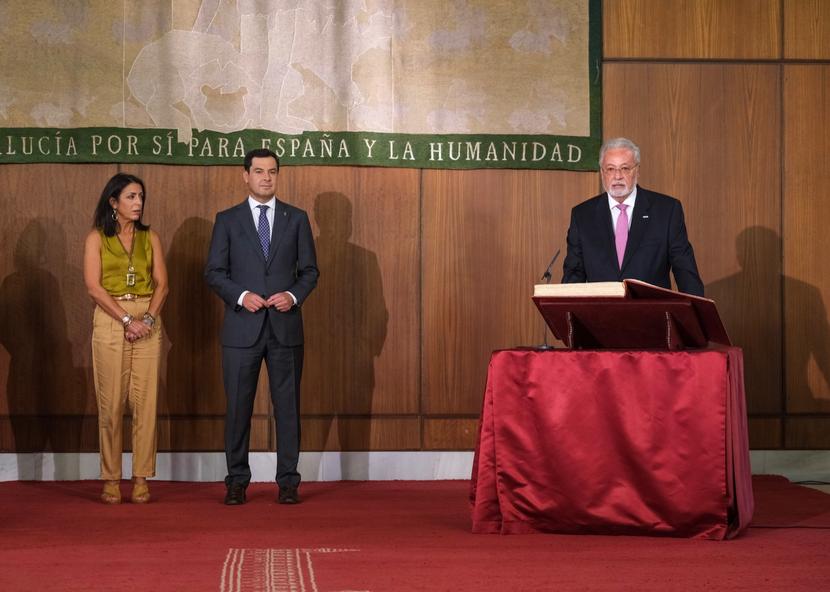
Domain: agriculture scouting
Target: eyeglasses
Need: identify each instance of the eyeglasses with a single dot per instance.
(626, 170)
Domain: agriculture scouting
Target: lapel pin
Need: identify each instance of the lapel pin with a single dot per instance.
(645, 217)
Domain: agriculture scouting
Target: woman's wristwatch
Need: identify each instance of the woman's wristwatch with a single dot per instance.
(148, 319)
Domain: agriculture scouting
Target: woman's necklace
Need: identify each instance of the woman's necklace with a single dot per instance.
(130, 268)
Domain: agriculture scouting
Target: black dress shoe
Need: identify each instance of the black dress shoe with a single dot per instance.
(288, 495)
(235, 495)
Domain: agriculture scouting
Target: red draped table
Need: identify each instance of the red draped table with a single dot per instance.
(613, 442)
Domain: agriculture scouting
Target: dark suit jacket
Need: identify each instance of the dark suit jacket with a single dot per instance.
(657, 242)
(236, 263)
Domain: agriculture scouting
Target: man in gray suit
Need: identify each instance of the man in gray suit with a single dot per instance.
(263, 265)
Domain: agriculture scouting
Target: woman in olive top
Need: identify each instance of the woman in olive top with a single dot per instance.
(125, 275)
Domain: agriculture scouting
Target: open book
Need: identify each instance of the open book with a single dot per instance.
(613, 289)
(630, 288)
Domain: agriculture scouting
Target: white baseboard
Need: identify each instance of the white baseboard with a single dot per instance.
(796, 465)
(210, 466)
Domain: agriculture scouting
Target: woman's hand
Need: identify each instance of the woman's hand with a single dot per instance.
(136, 330)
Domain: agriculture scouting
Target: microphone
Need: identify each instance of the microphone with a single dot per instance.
(546, 277)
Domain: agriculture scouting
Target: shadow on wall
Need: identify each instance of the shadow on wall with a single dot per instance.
(191, 316)
(48, 394)
(346, 323)
(808, 366)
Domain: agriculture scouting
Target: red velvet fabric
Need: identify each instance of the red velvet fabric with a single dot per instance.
(613, 442)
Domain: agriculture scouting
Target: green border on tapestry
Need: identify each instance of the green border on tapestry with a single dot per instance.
(455, 151)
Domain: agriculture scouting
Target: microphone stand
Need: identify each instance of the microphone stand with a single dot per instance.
(546, 277)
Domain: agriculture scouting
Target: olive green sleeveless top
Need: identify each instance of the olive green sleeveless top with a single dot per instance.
(115, 265)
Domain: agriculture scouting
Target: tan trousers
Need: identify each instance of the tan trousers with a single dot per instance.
(126, 372)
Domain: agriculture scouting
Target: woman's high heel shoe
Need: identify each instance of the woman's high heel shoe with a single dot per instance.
(141, 492)
(112, 492)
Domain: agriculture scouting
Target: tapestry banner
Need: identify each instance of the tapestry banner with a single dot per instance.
(403, 83)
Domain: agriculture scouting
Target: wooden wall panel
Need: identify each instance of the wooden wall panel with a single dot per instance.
(362, 321)
(765, 433)
(692, 29)
(807, 433)
(45, 313)
(806, 220)
(49, 433)
(361, 433)
(204, 433)
(709, 135)
(450, 433)
(487, 238)
(807, 29)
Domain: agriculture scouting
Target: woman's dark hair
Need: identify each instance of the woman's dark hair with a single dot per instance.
(103, 211)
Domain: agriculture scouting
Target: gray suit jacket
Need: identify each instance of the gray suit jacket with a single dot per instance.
(236, 263)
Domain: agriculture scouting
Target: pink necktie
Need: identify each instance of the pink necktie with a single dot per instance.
(621, 236)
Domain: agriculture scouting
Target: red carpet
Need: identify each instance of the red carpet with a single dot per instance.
(376, 536)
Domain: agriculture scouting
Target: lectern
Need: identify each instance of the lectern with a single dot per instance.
(640, 316)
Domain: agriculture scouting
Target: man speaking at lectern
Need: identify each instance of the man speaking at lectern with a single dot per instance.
(629, 232)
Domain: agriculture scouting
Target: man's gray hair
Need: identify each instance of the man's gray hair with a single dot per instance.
(620, 143)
